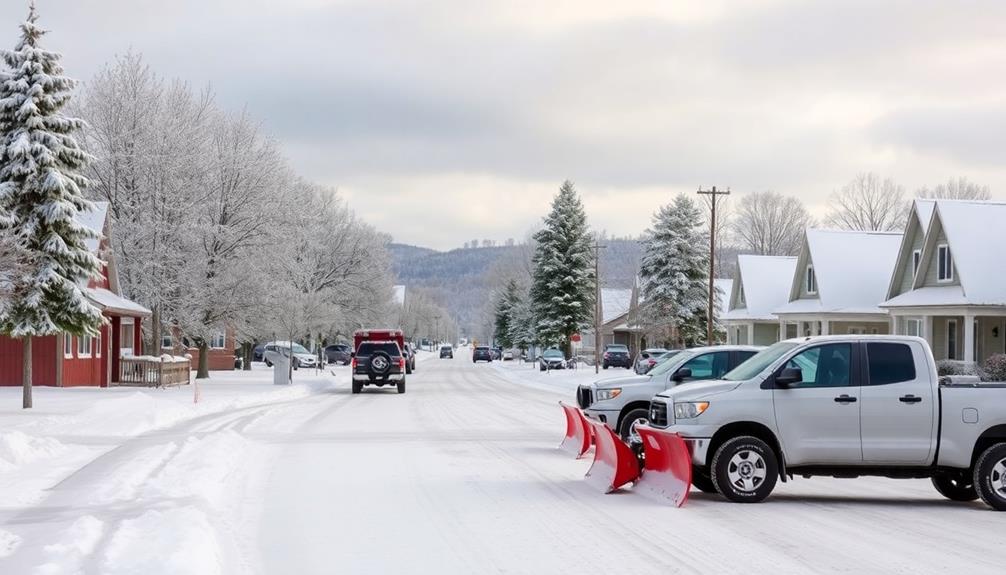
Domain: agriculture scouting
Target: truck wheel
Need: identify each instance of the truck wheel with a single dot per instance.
(745, 470)
(625, 430)
(408, 368)
(357, 386)
(990, 476)
(702, 481)
(401, 386)
(956, 486)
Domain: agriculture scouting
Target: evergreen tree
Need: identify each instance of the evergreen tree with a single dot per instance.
(506, 305)
(675, 272)
(562, 287)
(41, 193)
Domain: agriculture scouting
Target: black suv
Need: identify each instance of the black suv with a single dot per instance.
(379, 363)
(616, 355)
(339, 353)
(482, 353)
(410, 359)
(446, 351)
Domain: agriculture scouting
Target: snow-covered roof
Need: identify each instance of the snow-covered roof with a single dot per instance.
(614, 303)
(95, 221)
(853, 270)
(765, 281)
(725, 287)
(923, 210)
(399, 294)
(108, 301)
(971, 228)
(929, 296)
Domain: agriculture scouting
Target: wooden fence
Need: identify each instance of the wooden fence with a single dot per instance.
(154, 372)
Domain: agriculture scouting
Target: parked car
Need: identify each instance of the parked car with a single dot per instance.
(378, 359)
(842, 406)
(497, 353)
(482, 353)
(552, 359)
(446, 352)
(410, 358)
(508, 355)
(623, 402)
(341, 353)
(616, 355)
(301, 356)
(651, 357)
(257, 352)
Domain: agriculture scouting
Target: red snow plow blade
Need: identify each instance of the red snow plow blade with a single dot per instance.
(615, 464)
(577, 440)
(668, 467)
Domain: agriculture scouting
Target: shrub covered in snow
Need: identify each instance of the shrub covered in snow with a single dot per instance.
(994, 368)
(956, 367)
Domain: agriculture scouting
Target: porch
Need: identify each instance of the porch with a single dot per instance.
(965, 334)
(796, 325)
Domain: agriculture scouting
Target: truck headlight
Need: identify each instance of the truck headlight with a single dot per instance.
(690, 410)
(606, 394)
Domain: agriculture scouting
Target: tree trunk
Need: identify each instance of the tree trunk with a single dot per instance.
(26, 372)
(203, 371)
(155, 333)
(249, 354)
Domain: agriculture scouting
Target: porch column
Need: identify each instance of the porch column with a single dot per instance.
(927, 329)
(815, 328)
(751, 333)
(969, 338)
(782, 331)
(730, 335)
(116, 351)
(825, 327)
(137, 337)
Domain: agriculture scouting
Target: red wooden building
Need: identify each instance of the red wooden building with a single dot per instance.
(65, 360)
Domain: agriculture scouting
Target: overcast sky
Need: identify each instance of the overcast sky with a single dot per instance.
(449, 120)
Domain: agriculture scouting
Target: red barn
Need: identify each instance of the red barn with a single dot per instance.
(64, 360)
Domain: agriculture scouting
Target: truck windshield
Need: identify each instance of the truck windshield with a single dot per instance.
(759, 361)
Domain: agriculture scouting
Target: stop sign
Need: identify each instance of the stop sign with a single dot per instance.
(575, 338)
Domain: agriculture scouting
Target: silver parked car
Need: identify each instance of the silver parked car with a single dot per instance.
(651, 357)
(301, 356)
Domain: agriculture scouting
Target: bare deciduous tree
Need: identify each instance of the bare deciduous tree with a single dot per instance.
(768, 223)
(956, 189)
(868, 203)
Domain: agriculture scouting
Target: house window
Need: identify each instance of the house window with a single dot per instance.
(913, 327)
(945, 263)
(166, 342)
(951, 339)
(811, 281)
(84, 346)
(97, 345)
(67, 345)
(916, 259)
(218, 340)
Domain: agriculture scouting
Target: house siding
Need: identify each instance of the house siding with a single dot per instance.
(843, 327)
(43, 361)
(907, 274)
(802, 272)
(932, 268)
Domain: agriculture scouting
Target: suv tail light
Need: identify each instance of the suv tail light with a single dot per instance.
(353, 363)
(401, 363)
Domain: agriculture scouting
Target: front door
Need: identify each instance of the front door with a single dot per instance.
(899, 410)
(818, 418)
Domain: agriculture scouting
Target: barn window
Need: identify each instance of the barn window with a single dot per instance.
(218, 340)
(67, 346)
(84, 346)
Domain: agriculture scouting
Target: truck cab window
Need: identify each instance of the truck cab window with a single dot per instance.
(890, 363)
(824, 366)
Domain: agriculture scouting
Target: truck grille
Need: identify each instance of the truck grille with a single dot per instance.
(584, 397)
(658, 414)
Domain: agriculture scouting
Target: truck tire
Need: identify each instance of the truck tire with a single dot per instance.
(401, 386)
(702, 481)
(357, 386)
(745, 470)
(956, 486)
(625, 427)
(990, 476)
(408, 368)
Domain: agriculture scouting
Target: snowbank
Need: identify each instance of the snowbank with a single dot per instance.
(563, 381)
(179, 541)
(18, 448)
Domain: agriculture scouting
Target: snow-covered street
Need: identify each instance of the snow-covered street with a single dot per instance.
(459, 475)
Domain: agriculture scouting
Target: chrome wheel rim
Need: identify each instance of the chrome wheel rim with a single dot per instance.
(633, 434)
(746, 470)
(999, 478)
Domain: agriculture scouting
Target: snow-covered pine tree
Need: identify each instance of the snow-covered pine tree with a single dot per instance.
(503, 319)
(562, 286)
(674, 272)
(41, 193)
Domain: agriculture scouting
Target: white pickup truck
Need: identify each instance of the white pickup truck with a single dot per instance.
(841, 406)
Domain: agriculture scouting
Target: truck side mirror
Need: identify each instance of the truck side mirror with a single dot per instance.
(789, 376)
(352, 354)
(682, 374)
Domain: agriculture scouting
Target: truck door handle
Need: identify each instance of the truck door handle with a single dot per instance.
(845, 399)
(909, 399)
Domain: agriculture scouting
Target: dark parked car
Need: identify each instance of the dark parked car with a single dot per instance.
(341, 353)
(410, 358)
(497, 353)
(552, 359)
(482, 353)
(616, 355)
(447, 352)
(258, 352)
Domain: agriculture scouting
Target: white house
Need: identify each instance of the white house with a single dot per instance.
(761, 285)
(949, 285)
(840, 280)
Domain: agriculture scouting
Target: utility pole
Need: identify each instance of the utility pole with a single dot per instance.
(597, 304)
(436, 334)
(713, 195)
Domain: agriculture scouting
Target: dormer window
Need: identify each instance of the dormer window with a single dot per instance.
(916, 260)
(811, 281)
(945, 264)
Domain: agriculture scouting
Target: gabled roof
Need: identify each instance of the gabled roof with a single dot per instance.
(922, 210)
(765, 282)
(614, 303)
(725, 287)
(94, 221)
(853, 271)
(970, 227)
(108, 301)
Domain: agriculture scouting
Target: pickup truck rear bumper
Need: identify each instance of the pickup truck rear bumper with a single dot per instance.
(395, 377)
